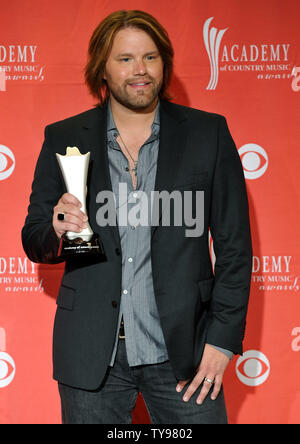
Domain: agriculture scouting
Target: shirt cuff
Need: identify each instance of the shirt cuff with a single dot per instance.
(228, 353)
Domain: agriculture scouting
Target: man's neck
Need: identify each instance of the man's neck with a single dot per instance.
(132, 119)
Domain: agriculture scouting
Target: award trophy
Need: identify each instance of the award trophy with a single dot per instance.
(74, 168)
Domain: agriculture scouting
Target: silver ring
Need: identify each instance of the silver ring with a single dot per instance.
(209, 380)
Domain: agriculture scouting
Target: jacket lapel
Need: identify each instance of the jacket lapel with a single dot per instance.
(94, 139)
(173, 132)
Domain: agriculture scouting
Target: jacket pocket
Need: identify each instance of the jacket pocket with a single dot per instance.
(66, 297)
(206, 287)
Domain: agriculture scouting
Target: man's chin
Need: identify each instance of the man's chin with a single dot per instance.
(140, 103)
(140, 106)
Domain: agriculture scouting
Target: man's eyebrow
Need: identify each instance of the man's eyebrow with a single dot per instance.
(152, 52)
(124, 54)
(128, 54)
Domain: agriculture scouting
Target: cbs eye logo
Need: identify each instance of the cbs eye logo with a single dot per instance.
(7, 369)
(253, 368)
(254, 160)
(7, 162)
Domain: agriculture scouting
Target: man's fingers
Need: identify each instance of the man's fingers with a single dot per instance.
(217, 387)
(72, 227)
(70, 210)
(69, 198)
(74, 219)
(207, 386)
(181, 385)
(209, 374)
(205, 390)
(70, 223)
(196, 382)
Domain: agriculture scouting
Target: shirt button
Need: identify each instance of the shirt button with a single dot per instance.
(133, 227)
(118, 252)
(125, 291)
(114, 304)
(126, 169)
(134, 195)
(130, 259)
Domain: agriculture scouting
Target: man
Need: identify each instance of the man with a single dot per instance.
(152, 318)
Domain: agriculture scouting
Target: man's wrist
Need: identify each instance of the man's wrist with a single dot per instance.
(226, 352)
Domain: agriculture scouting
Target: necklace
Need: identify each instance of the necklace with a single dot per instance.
(134, 170)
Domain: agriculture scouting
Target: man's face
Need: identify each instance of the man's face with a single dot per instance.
(134, 69)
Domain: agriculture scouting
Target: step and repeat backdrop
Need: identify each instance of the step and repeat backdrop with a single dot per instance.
(238, 59)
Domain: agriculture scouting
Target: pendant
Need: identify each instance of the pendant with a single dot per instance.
(134, 170)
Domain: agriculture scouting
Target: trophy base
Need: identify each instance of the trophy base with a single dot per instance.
(81, 248)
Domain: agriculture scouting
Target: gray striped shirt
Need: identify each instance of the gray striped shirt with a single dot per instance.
(143, 334)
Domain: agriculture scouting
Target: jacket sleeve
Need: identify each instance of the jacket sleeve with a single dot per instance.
(230, 230)
(39, 239)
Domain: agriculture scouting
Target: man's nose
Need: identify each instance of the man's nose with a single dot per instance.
(140, 67)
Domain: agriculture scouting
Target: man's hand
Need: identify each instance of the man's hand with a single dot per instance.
(74, 219)
(212, 366)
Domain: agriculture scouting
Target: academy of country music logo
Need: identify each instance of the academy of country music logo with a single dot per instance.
(7, 364)
(19, 275)
(269, 273)
(19, 63)
(274, 273)
(266, 61)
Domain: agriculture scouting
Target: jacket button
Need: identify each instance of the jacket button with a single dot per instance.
(118, 251)
(114, 304)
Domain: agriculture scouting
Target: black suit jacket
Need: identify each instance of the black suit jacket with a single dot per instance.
(196, 305)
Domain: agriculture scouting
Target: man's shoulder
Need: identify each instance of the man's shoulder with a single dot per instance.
(86, 118)
(193, 114)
